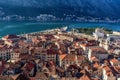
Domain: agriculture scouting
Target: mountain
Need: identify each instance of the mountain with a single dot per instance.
(94, 8)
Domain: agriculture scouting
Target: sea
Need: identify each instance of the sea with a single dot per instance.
(22, 27)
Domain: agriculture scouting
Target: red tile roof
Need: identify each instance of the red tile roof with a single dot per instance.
(4, 48)
(114, 60)
(98, 50)
(70, 58)
(12, 41)
(62, 56)
(11, 36)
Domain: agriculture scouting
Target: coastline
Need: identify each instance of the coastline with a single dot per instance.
(38, 32)
(19, 28)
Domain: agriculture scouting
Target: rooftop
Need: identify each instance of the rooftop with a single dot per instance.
(11, 36)
(98, 50)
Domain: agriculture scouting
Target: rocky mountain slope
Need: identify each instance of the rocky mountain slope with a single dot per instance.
(94, 8)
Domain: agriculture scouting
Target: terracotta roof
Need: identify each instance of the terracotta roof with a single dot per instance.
(59, 69)
(52, 52)
(88, 44)
(6, 78)
(16, 50)
(36, 40)
(15, 76)
(41, 75)
(1, 46)
(84, 77)
(11, 36)
(70, 58)
(98, 50)
(84, 45)
(12, 41)
(93, 58)
(107, 68)
(96, 65)
(80, 57)
(62, 56)
(117, 69)
(22, 77)
(4, 48)
(32, 78)
(114, 60)
(60, 52)
(95, 79)
(25, 56)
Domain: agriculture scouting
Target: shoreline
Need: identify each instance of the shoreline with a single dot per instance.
(43, 31)
(53, 30)
(110, 22)
(37, 27)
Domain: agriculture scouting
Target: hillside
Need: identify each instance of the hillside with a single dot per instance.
(94, 8)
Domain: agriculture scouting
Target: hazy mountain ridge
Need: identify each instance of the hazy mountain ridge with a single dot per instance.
(97, 8)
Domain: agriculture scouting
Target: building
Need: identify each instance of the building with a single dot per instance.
(108, 74)
(46, 55)
(65, 60)
(11, 40)
(99, 33)
(15, 54)
(5, 52)
(10, 37)
(99, 52)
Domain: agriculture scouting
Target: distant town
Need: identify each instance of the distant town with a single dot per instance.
(50, 17)
(58, 54)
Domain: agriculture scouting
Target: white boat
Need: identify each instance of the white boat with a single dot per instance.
(64, 28)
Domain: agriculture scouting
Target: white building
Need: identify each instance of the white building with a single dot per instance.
(99, 52)
(99, 33)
